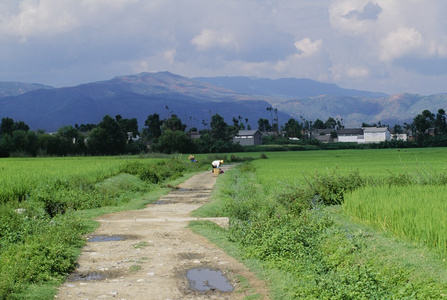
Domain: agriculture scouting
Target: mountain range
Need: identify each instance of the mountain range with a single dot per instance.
(195, 100)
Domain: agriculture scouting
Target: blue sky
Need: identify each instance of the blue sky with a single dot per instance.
(389, 46)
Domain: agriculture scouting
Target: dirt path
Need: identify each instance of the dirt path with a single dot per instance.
(155, 253)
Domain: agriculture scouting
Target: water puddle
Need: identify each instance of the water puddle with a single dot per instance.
(161, 202)
(204, 279)
(94, 275)
(108, 238)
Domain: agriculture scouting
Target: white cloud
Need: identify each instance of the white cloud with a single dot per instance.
(357, 72)
(354, 17)
(399, 43)
(307, 48)
(39, 17)
(351, 42)
(209, 39)
(169, 55)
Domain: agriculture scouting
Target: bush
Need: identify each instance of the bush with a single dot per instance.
(143, 171)
(47, 253)
(330, 189)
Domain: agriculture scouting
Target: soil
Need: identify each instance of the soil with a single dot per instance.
(146, 254)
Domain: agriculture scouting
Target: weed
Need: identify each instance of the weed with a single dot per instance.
(134, 268)
(141, 245)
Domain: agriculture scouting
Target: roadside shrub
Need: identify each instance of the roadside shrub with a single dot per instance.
(47, 254)
(281, 236)
(330, 189)
(56, 200)
(155, 173)
(142, 171)
(171, 169)
(235, 158)
(18, 223)
(421, 175)
(296, 200)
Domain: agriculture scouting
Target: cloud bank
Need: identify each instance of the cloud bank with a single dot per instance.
(379, 45)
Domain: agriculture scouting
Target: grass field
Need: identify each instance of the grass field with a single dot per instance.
(47, 204)
(278, 224)
(414, 213)
(20, 175)
(309, 251)
(297, 166)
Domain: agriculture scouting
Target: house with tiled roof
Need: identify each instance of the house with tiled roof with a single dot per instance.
(248, 137)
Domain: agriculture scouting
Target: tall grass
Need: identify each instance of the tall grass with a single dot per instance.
(46, 205)
(416, 213)
(19, 176)
(277, 218)
(295, 167)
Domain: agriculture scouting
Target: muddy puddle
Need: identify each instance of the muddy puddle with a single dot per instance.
(205, 279)
(109, 238)
(94, 275)
(161, 202)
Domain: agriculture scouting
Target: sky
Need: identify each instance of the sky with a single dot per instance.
(390, 46)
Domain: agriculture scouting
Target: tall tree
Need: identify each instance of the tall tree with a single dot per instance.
(274, 118)
(440, 122)
(219, 129)
(128, 126)
(73, 140)
(107, 138)
(292, 128)
(264, 125)
(423, 122)
(330, 123)
(7, 126)
(153, 127)
(318, 124)
(174, 123)
(173, 142)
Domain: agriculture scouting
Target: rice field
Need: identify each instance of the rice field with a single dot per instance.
(415, 213)
(294, 167)
(406, 195)
(20, 175)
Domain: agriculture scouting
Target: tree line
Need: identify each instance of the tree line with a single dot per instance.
(118, 135)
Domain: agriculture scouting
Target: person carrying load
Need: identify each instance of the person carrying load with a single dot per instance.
(216, 163)
(216, 167)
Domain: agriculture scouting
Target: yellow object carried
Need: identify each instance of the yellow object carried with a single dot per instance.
(216, 171)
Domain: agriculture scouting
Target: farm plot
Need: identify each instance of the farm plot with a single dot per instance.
(45, 208)
(284, 221)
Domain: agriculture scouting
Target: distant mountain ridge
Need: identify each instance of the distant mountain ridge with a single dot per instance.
(133, 96)
(13, 88)
(195, 100)
(285, 87)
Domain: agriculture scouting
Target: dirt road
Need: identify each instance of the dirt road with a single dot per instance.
(148, 253)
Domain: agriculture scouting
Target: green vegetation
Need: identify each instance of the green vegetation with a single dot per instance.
(285, 222)
(47, 204)
(385, 241)
(415, 213)
(117, 136)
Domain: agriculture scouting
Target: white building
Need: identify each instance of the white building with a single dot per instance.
(376, 134)
(364, 135)
(349, 135)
